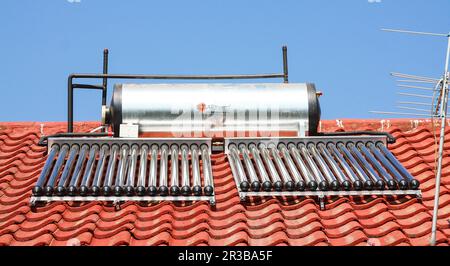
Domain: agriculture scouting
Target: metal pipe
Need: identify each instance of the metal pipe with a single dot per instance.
(152, 190)
(309, 178)
(323, 184)
(413, 183)
(142, 175)
(255, 184)
(61, 188)
(174, 171)
(379, 182)
(285, 65)
(244, 184)
(299, 183)
(77, 172)
(185, 183)
(347, 169)
(110, 171)
(105, 80)
(328, 174)
(346, 185)
(131, 178)
(265, 180)
(56, 169)
(88, 173)
(288, 184)
(38, 189)
(392, 185)
(197, 182)
(403, 183)
(96, 183)
(121, 171)
(207, 171)
(367, 182)
(276, 181)
(163, 169)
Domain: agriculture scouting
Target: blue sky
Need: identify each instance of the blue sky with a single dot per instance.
(335, 44)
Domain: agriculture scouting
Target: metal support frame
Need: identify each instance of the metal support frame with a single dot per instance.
(105, 77)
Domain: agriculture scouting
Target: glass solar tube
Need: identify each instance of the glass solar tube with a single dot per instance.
(328, 174)
(131, 177)
(38, 189)
(96, 183)
(414, 184)
(244, 184)
(348, 170)
(310, 180)
(110, 170)
(143, 157)
(77, 171)
(152, 190)
(403, 184)
(323, 184)
(163, 171)
(379, 182)
(346, 185)
(299, 183)
(254, 181)
(56, 169)
(265, 180)
(368, 184)
(207, 171)
(288, 184)
(185, 182)
(61, 189)
(174, 171)
(121, 171)
(197, 183)
(276, 181)
(392, 184)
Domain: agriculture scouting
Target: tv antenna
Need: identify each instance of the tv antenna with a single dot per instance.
(437, 109)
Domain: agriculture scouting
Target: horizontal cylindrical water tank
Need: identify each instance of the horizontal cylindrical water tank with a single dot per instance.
(215, 110)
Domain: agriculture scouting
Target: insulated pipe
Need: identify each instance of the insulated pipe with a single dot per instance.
(243, 183)
(163, 168)
(142, 170)
(254, 181)
(276, 181)
(197, 182)
(56, 169)
(413, 183)
(311, 182)
(207, 170)
(174, 171)
(357, 184)
(121, 171)
(185, 183)
(368, 184)
(299, 183)
(38, 189)
(61, 189)
(152, 190)
(96, 183)
(336, 170)
(265, 180)
(110, 171)
(391, 183)
(131, 178)
(331, 179)
(77, 172)
(323, 184)
(379, 182)
(289, 185)
(403, 183)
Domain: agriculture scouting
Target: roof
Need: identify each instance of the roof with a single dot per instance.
(345, 221)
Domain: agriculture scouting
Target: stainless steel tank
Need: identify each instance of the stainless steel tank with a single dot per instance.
(215, 110)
